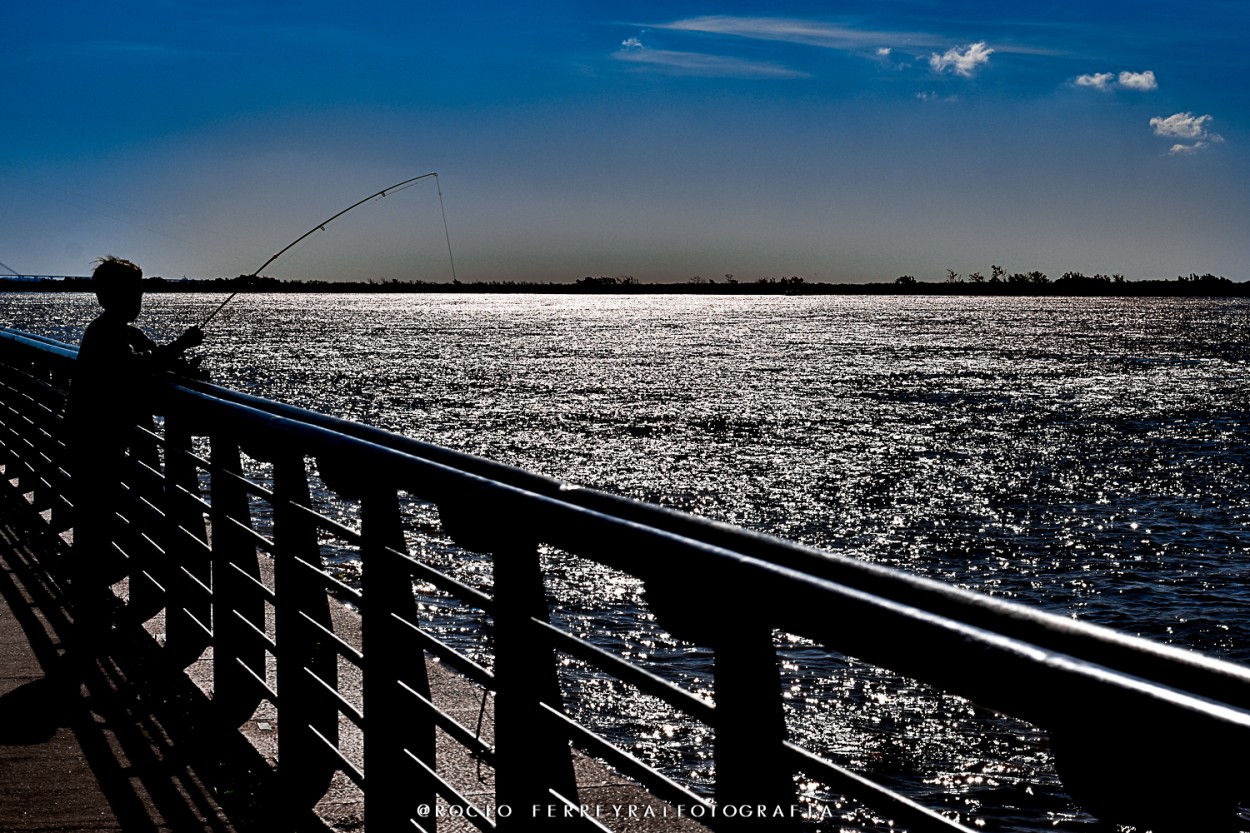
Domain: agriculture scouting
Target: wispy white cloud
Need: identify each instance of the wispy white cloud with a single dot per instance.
(1097, 80)
(700, 63)
(878, 43)
(792, 30)
(964, 62)
(1143, 81)
(1193, 129)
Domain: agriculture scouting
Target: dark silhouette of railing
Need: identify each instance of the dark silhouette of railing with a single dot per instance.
(227, 534)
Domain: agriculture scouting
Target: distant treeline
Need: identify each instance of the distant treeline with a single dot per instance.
(998, 283)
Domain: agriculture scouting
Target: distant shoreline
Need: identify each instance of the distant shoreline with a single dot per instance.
(1071, 285)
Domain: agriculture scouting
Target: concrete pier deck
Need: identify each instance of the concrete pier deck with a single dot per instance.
(116, 742)
(81, 749)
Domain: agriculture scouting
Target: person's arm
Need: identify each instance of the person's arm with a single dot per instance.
(147, 356)
(193, 337)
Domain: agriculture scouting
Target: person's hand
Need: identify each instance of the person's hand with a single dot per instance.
(193, 337)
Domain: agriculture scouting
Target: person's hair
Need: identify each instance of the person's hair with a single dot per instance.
(114, 276)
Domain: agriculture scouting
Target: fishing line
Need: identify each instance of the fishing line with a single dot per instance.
(31, 188)
(394, 189)
(446, 233)
(10, 268)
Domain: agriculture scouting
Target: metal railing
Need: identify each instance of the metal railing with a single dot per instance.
(228, 525)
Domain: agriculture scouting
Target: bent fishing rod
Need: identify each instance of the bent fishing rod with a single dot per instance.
(398, 186)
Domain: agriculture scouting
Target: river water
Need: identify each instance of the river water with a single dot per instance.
(1087, 456)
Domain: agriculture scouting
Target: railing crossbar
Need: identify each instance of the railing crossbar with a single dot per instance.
(319, 575)
(478, 818)
(643, 679)
(186, 455)
(574, 813)
(349, 535)
(140, 503)
(237, 479)
(257, 631)
(153, 580)
(902, 809)
(448, 654)
(592, 743)
(347, 709)
(464, 592)
(254, 583)
(348, 652)
(195, 620)
(254, 537)
(349, 769)
(194, 583)
(249, 674)
(457, 730)
(189, 496)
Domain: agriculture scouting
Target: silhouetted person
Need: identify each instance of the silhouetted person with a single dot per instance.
(109, 396)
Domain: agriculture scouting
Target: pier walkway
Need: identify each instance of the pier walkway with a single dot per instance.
(113, 744)
(321, 624)
(81, 750)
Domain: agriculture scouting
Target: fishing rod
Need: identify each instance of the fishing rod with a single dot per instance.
(398, 186)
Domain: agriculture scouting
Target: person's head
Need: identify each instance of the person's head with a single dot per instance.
(118, 286)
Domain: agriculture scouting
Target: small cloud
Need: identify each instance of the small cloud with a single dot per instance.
(962, 63)
(887, 56)
(1183, 150)
(1105, 81)
(631, 43)
(1098, 80)
(1142, 81)
(1181, 126)
(1193, 129)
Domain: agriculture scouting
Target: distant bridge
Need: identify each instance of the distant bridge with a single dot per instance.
(43, 277)
(14, 276)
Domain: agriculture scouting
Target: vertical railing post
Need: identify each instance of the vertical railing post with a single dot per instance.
(533, 758)
(749, 718)
(188, 608)
(237, 649)
(304, 710)
(750, 727)
(395, 724)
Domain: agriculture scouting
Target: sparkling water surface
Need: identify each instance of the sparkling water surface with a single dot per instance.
(1086, 456)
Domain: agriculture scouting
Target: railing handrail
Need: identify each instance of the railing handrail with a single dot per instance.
(914, 625)
(853, 572)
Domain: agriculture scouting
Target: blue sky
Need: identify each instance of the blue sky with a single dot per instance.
(838, 141)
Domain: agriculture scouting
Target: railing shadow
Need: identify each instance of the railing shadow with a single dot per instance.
(147, 734)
